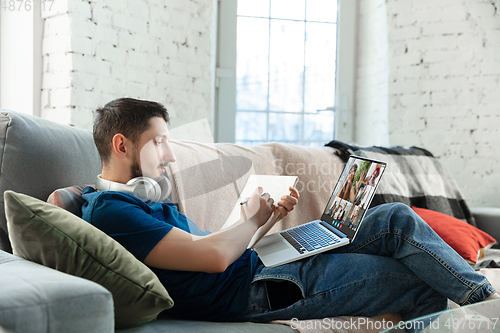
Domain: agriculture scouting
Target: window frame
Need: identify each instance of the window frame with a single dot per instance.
(225, 72)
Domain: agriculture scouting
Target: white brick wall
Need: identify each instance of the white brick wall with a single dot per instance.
(95, 51)
(444, 86)
(428, 72)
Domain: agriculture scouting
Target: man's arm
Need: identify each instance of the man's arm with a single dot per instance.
(179, 250)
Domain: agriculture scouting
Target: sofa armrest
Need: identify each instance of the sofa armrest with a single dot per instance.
(488, 220)
(35, 298)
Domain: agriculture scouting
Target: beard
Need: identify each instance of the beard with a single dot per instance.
(135, 168)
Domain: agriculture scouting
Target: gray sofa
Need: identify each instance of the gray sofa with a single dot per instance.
(38, 156)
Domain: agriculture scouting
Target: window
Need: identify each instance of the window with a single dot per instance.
(21, 29)
(276, 74)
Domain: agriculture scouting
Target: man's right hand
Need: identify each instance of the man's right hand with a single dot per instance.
(259, 207)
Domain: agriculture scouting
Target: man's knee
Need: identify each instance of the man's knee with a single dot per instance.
(393, 208)
(400, 207)
(399, 213)
(404, 217)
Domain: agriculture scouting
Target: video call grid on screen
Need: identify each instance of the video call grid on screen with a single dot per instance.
(352, 195)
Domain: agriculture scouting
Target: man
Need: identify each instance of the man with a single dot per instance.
(396, 264)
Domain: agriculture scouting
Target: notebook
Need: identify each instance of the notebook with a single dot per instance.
(339, 222)
(276, 186)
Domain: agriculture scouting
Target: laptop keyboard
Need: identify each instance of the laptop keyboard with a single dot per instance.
(309, 237)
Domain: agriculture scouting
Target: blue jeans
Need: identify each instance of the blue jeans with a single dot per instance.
(396, 263)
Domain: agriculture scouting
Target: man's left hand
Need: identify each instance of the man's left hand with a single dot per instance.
(288, 202)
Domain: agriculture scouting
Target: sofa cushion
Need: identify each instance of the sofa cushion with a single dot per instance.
(37, 156)
(172, 325)
(51, 236)
(37, 299)
(464, 238)
(488, 220)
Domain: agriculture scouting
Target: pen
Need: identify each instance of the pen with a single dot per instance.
(244, 202)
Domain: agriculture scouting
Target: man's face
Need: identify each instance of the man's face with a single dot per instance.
(153, 151)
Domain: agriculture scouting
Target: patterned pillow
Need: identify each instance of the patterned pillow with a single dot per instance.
(69, 198)
(414, 177)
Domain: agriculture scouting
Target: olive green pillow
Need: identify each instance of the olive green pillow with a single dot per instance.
(54, 237)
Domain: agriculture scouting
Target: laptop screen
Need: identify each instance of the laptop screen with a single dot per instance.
(353, 194)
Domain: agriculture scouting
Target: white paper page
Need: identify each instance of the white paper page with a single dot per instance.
(276, 186)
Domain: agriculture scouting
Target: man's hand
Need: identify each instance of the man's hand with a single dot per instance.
(288, 202)
(259, 207)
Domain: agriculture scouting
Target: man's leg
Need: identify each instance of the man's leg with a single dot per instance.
(395, 230)
(402, 266)
(349, 284)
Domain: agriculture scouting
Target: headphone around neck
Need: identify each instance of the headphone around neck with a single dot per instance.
(144, 188)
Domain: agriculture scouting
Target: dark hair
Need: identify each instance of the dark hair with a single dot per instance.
(126, 116)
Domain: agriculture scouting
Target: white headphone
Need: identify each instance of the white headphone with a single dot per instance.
(144, 188)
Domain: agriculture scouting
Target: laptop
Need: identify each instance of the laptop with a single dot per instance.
(339, 222)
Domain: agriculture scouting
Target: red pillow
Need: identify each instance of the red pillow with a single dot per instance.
(464, 238)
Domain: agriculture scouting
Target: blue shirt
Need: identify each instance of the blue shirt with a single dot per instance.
(139, 226)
